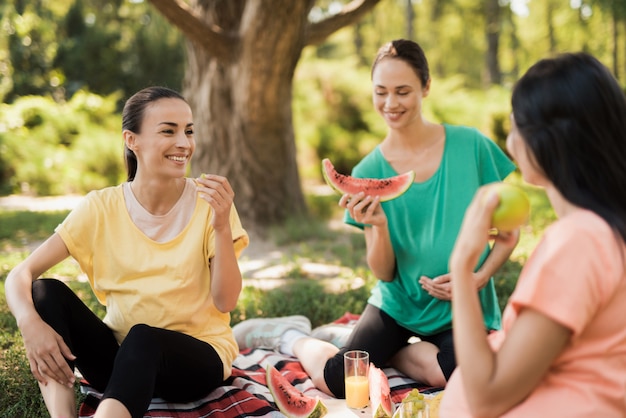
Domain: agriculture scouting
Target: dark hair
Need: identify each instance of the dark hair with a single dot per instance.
(571, 112)
(133, 114)
(407, 51)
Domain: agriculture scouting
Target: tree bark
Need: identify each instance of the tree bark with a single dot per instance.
(492, 27)
(410, 17)
(550, 24)
(242, 56)
(615, 46)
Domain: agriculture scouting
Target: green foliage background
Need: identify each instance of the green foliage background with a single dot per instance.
(56, 48)
(75, 146)
(53, 148)
(67, 65)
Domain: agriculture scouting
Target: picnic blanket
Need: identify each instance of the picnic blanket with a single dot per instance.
(245, 393)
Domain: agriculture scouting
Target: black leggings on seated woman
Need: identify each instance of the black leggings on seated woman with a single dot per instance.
(150, 362)
(382, 337)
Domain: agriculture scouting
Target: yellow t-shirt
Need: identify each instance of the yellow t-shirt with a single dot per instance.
(141, 281)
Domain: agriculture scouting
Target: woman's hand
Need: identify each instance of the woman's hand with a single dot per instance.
(476, 231)
(364, 209)
(438, 287)
(47, 353)
(216, 190)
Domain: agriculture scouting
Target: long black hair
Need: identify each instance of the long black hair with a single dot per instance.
(133, 114)
(571, 112)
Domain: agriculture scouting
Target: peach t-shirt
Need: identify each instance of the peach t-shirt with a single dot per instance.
(576, 276)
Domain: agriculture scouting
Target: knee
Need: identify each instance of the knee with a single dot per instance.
(433, 373)
(436, 379)
(139, 332)
(141, 338)
(333, 375)
(46, 291)
(139, 347)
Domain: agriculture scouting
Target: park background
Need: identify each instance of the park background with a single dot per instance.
(66, 67)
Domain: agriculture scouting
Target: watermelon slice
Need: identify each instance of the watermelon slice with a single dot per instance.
(380, 396)
(387, 188)
(290, 401)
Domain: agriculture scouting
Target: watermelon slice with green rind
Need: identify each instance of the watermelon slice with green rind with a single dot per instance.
(387, 188)
(290, 401)
(380, 393)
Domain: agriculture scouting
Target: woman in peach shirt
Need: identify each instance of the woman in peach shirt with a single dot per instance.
(562, 348)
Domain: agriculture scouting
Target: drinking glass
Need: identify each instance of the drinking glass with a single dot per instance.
(412, 409)
(356, 365)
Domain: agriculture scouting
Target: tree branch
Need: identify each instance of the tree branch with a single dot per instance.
(211, 38)
(317, 32)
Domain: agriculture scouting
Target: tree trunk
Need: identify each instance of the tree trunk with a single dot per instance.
(242, 114)
(550, 24)
(242, 57)
(615, 46)
(515, 46)
(410, 17)
(492, 18)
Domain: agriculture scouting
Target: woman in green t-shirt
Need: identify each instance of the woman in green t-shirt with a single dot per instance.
(409, 239)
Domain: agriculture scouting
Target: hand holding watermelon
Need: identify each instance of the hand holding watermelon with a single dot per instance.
(364, 209)
(362, 196)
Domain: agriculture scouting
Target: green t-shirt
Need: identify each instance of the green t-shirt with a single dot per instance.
(423, 226)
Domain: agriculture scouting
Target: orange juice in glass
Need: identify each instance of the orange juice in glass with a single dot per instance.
(356, 365)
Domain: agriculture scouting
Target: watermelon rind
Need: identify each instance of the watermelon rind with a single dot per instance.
(380, 393)
(386, 189)
(290, 401)
(380, 412)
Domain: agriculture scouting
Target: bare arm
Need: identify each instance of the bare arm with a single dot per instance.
(45, 348)
(495, 381)
(499, 254)
(226, 280)
(440, 287)
(367, 210)
(380, 256)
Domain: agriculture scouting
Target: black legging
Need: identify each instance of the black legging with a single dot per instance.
(150, 362)
(382, 337)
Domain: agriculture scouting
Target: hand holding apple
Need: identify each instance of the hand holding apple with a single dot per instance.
(513, 206)
(498, 206)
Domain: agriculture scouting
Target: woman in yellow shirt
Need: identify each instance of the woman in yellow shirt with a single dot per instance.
(160, 251)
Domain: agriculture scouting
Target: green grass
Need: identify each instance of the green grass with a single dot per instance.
(299, 240)
(20, 228)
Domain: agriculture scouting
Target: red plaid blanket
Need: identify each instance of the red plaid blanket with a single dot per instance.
(245, 393)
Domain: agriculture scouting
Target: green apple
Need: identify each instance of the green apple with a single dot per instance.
(513, 207)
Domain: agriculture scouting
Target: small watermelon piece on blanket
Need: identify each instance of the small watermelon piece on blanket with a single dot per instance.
(290, 401)
(380, 394)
